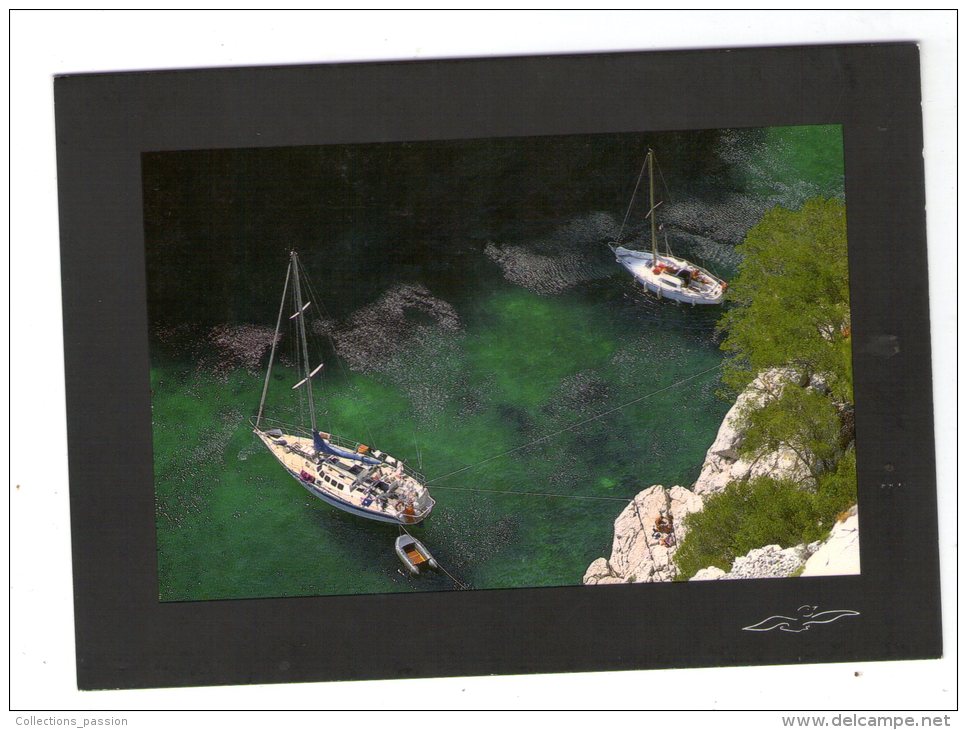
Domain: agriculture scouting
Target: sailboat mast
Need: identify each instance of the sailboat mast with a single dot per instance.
(275, 341)
(651, 206)
(302, 338)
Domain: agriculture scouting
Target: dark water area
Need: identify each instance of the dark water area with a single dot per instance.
(472, 308)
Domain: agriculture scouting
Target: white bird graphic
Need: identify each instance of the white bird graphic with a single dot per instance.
(806, 618)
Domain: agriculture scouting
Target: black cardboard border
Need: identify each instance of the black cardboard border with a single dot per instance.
(126, 638)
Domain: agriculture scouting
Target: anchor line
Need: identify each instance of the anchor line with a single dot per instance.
(573, 426)
(534, 494)
(624, 500)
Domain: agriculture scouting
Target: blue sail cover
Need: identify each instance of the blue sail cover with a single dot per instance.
(327, 448)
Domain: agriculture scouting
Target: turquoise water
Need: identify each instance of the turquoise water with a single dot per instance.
(497, 335)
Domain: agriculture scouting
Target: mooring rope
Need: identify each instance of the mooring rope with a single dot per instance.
(624, 500)
(533, 494)
(570, 428)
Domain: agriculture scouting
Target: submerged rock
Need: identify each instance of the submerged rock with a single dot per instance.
(236, 347)
(405, 316)
(541, 273)
(558, 261)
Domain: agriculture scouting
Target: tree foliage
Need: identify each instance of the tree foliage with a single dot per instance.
(803, 420)
(790, 316)
(792, 297)
(837, 488)
(747, 515)
(764, 511)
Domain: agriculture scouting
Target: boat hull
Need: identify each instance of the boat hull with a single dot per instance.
(290, 452)
(639, 265)
(346, 507)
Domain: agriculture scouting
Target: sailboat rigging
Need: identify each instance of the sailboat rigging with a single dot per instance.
(348, 475)
(668, 276)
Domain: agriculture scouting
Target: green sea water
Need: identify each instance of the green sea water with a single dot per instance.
(513, 356)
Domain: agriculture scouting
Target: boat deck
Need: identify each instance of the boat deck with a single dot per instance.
(381, 491)
(666, 283)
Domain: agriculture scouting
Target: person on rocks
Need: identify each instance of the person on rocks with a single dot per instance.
(663, 523)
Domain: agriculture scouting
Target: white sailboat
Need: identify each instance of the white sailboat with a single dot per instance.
(668, 276)
(348, 475)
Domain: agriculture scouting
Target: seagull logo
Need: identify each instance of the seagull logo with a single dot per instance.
(807, 616)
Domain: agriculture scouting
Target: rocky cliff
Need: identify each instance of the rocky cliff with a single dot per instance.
(770, 561)
(839, 554)
(642, 554)
(722, 461)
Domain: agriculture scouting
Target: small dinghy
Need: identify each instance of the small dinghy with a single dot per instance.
(414, 555)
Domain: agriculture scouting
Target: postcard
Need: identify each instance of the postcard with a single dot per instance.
(443, 368)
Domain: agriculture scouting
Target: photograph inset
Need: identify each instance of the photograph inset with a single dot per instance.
(500, 363)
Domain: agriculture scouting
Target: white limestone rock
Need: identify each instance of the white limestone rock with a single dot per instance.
(600, 573)
(709, 573)
(770, 561)
(637, 556)
(819, 383)
(840, 553)
(722, 462)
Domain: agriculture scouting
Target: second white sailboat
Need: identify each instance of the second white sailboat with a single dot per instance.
(668, 276)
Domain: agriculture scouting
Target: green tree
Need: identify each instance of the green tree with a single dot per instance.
(792, 297)
(791, 316)
(802, 420)
(747, 515)
(837, 487)
(764, 511)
